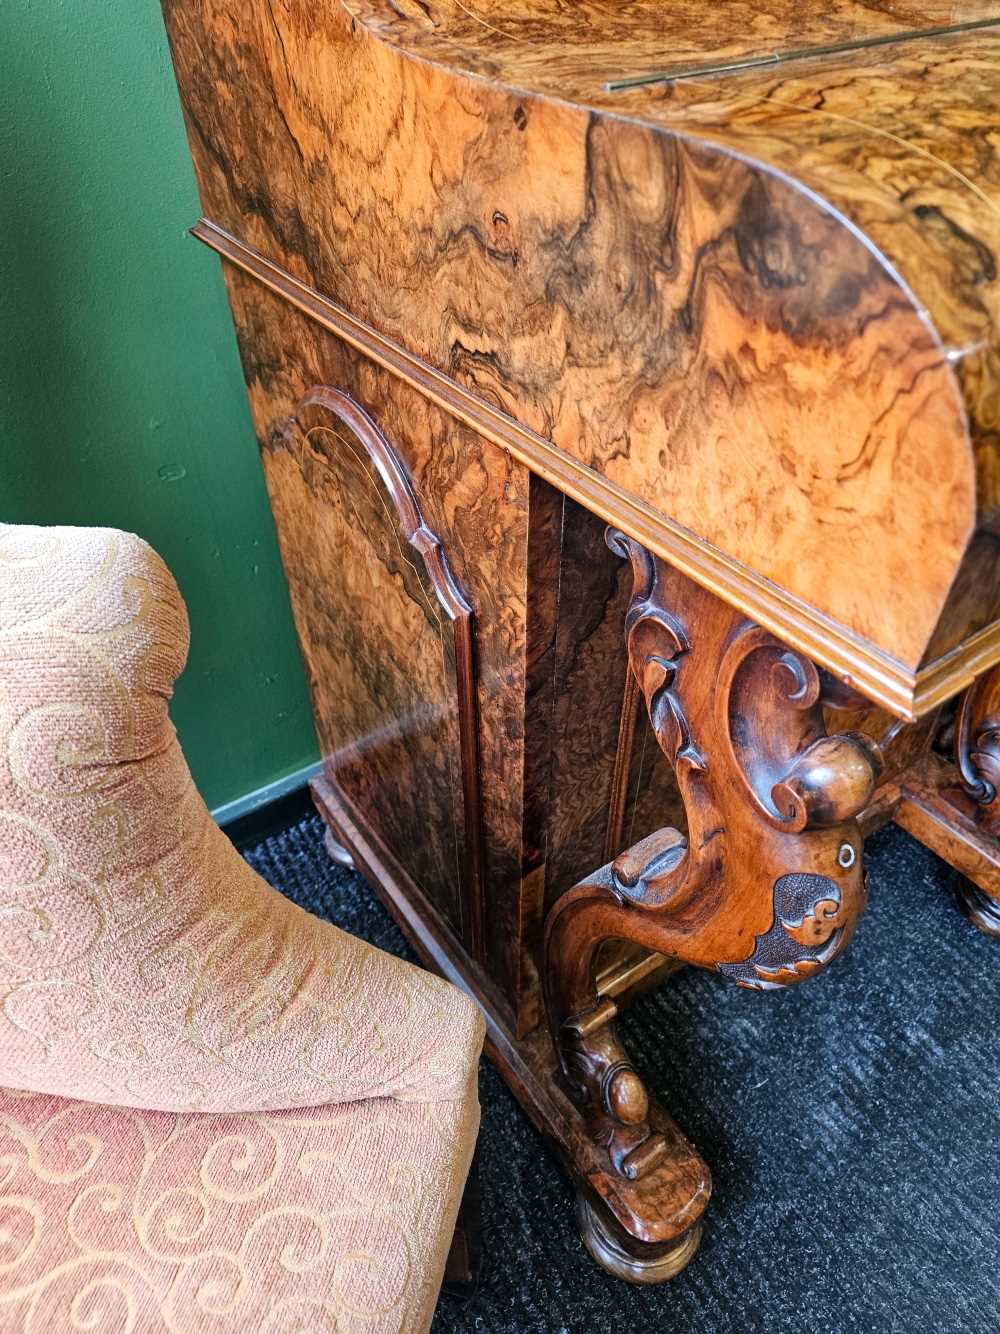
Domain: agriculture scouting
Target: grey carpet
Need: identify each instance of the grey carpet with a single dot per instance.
(852, 1126)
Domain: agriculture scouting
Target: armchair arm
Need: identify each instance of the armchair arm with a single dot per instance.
(142, 961)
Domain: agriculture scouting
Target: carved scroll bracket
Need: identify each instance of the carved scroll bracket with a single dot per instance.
(977, 754)
(766, 887)
(977, 747)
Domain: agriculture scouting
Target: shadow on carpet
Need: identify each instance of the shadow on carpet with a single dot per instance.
(851, 1126)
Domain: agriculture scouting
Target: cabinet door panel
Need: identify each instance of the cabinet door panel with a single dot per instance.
(392, 645)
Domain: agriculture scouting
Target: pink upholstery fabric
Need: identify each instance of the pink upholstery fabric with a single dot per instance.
(321, 1219)
(144, 964)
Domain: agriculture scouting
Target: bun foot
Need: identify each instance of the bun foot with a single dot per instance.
(624, 1257)
(981, 910)
(337, 852)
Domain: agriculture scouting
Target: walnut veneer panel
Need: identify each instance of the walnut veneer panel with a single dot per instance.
(376, 658)
(898, 139)
(670, 309)
(630, 39)
(548, 600)
(381, 647)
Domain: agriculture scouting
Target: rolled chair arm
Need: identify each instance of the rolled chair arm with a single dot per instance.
(142, 961)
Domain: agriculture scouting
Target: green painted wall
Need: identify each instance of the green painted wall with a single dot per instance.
(121, 401)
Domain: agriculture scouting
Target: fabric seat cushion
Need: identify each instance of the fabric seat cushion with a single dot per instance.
(318, 1219)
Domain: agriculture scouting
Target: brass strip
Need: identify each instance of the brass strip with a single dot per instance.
(769, 58)
(585, 1024)
(628, 973)
(883, 679)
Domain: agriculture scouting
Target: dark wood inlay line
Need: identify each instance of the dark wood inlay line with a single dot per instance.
(801, 53)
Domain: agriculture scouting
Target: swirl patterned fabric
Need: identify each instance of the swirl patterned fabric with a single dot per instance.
(288, 1114)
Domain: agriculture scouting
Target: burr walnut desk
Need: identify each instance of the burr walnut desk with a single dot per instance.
(627, 389)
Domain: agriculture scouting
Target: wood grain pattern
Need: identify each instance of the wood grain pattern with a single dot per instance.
(477, 504)
(386, 659)
(634, 39)
(402, 736)
(595, 804)
(561, 269)
(897, 139)
(741, 719)
(788, 368)
(883, 678)
(547, 734)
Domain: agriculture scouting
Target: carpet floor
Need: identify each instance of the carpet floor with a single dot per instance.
(852, 1126)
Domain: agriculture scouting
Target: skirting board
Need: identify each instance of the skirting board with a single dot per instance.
(263, 796)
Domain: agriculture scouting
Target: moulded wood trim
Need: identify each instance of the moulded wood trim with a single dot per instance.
(453, 602)
(882, 678)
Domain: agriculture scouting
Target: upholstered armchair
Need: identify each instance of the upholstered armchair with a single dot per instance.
(218, 1113)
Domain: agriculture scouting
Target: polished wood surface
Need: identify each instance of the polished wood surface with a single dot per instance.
(402, 598)
(882, 678)
(725, 279)
(765, 323)
(593, 42)
(380, 649)
(376, 648)
(741, 719)
(609, 784)
(897, 138)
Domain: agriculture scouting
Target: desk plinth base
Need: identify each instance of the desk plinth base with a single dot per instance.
(644, 1230)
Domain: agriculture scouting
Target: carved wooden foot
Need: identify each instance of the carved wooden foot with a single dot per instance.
(765, 887)
(982, 911)
(624, 1257)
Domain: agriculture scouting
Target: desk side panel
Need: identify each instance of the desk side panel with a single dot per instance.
(375, 672)
(695, 329)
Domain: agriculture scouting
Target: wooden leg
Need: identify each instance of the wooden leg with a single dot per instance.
(465, 1257)
(982, 910)
(337, 852)
(659, 1212)
(765, 888)
(955, 810)
(624, 1257)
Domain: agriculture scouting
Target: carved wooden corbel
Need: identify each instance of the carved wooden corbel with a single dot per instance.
(767, 884)
(977, 747)
(977, 754)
